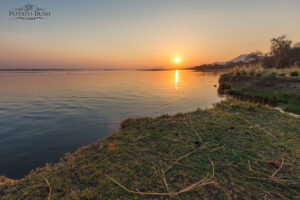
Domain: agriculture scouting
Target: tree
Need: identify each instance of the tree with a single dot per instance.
(256, 56)
(280, 50)
(257, 53)
(297, 45)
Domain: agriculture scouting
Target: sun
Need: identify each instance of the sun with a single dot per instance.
(177, 60)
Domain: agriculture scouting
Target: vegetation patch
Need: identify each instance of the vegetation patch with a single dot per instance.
(232, 151)
(280, 87)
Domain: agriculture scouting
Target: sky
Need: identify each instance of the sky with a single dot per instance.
(142, 33)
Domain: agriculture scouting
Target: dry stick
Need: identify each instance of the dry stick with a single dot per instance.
(249, 166)
(260, 128)
(191, 127)
(275, 162)
(280, 195)
(174, 163)
(187, 189)
(172, 139)
(270, 193)
(275, 180)
(213, 167)
(279, 181)
(196, 132)
(217, 148)
(267, 132)
(164, 180)
(50, 189)
(182, 157)
(141, 137)
(278, 168)
(166, 184)
(193, 186)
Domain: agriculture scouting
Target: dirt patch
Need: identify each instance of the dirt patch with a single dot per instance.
(4, 180)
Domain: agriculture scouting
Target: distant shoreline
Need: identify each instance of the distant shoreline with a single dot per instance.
(14, 70)
(154, 69)
(5, 70)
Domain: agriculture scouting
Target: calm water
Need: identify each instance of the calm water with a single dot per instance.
(43, 115)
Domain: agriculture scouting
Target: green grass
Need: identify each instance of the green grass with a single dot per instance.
(245, 151)
(273, 88)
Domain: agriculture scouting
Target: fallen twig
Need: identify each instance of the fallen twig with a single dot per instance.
(202, 182)
(275, 162)
(275, 193)
(182, 157)
(280, 181)
(191, 187)
(267, 132)
(172, 139)
(166, 184)
(260, 128)
(191, 127)
(217, 148)
(141, 137)
(249, 165)
(278, 168)
(50, 189)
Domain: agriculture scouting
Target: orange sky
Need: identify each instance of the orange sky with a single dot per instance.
(142, 34)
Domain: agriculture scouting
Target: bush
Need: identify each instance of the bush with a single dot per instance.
(294, 73)
(244, 72)
(273, 74)
(273, 98)
(237, 72)
(259, 74)
(252, 72)
(286, 94)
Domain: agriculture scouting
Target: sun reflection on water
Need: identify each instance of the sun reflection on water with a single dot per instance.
(176, 80)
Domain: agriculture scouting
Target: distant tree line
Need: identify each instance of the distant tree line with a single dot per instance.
(283, 53)
(253, 59)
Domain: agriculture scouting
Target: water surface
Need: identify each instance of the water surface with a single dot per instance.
(45, 114)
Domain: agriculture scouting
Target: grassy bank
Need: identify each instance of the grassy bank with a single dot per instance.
(233, 151)
(276, 87)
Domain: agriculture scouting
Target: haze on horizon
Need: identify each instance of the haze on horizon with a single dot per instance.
(142, 34)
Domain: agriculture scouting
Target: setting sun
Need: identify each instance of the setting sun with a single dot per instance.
(177, 60)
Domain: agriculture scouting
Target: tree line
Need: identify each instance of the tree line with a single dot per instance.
(283, 53)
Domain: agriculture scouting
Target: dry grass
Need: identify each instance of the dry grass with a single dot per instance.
(258, 70)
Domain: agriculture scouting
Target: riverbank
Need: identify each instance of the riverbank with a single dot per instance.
(232, 151)
(278, 88)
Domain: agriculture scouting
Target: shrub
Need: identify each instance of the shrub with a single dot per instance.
(286, 94)
(274, 98)
(244, 72)
(294, 73)
(259, 74)
(252, 72)
(273, 74)
(266, 99)
(237, 72)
